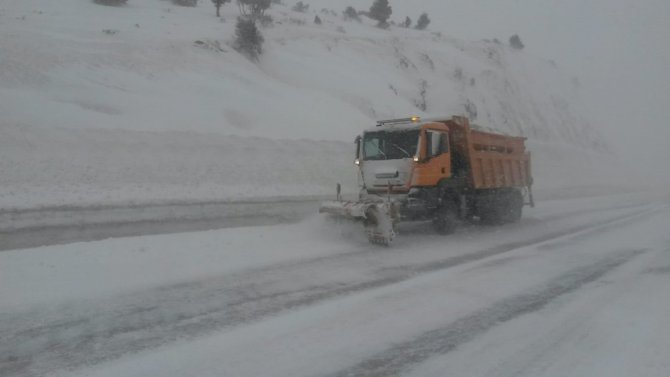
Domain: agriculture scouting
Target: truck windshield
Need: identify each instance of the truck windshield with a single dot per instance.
(387, 145)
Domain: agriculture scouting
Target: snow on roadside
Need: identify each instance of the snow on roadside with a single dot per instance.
(53, 166)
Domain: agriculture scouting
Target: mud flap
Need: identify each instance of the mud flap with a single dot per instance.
(530, 196)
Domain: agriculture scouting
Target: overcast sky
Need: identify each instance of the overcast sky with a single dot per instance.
(619, 49)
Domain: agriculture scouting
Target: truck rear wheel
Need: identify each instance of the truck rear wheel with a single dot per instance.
(490, 216)
(514, 207)
(503, 207)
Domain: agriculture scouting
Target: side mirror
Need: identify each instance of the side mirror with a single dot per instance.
(357, 141)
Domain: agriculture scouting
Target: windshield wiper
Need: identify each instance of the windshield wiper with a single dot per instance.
(404, 151)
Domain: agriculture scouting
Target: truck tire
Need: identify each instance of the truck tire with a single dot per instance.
(504, 207)
(446, 219)
(492, 209)
(486, 211)
(490, 216)
(514, 208)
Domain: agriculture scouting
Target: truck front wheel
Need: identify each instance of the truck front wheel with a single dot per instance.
(446, 219)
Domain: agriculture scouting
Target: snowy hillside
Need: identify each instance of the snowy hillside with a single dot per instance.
(149, 102)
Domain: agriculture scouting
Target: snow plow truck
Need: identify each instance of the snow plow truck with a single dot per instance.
(443, 170)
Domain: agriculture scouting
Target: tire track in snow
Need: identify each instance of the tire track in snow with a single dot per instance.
(402, 357)
(90, 333)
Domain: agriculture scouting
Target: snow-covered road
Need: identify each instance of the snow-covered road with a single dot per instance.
(579, 287)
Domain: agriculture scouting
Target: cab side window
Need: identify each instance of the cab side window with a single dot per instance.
(437, 143)
(444, 142)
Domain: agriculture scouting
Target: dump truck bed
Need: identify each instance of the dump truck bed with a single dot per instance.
(497, 161)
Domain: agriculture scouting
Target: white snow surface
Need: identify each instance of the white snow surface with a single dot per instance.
(51, 274)
(592, 302)
(149, 102)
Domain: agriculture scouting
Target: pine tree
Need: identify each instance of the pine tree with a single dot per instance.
(408, 22)
(515, 42)
(253, 8)
(351, 14)
(249, 40)
(185, 3)
(300, 7)
(422, 22)
(111, 2)
(381, 11)
(218, 4)
(317, 20)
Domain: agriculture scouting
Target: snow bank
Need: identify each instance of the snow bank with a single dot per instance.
(43, 167)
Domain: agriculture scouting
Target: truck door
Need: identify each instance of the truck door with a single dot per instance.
(437, 161)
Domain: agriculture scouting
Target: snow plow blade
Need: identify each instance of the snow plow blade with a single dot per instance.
(379, 218)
